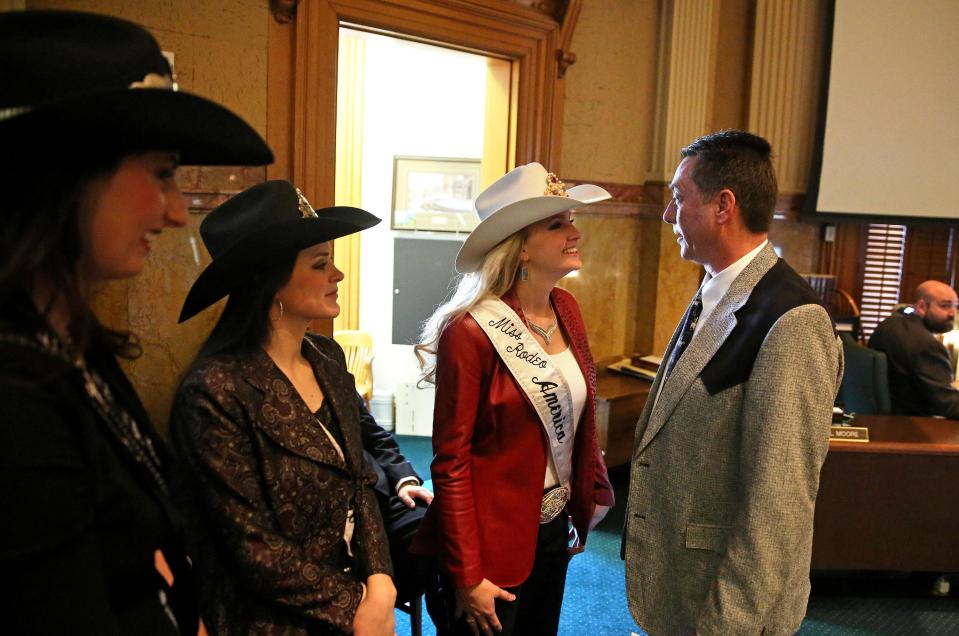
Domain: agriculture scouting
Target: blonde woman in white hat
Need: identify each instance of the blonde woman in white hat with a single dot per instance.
(516, 457)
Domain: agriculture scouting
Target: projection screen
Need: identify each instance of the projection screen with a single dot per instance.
(890, 134)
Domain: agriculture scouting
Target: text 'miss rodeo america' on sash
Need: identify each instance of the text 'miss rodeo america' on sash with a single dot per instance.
(540, 380)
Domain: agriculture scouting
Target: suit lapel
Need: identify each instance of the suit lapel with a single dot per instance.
(704, 345)
(283, 416)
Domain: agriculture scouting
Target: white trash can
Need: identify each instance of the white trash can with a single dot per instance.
(381, 407)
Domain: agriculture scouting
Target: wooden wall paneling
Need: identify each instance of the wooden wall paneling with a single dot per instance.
(844, 256)
(314, 101)
(527, 36)
(930, 254)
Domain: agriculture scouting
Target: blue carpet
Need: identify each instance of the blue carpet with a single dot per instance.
(595, 602)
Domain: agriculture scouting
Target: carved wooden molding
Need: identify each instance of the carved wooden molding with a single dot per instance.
(628, 199)
(564, 60)
(553, 8)
(622, 192)
(306, 134)
(283, 10)
(570, 16)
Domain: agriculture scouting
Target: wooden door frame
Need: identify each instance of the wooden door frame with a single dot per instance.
(301, 118)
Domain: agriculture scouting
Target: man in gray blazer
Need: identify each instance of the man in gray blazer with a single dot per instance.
(725, 469)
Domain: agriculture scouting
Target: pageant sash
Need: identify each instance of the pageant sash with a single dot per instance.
(542, 383)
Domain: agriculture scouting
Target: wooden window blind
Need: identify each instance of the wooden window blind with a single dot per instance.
(930, 254)
(882, 273)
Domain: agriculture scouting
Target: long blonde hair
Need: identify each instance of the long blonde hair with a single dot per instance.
(494, 278)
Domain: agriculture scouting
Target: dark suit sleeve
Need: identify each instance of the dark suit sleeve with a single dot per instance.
(382, 447)
(934, 379)
(49, 553)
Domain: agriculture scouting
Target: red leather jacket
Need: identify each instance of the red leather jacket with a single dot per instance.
(490, 453)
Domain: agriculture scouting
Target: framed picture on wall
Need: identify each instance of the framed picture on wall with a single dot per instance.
(434, 193)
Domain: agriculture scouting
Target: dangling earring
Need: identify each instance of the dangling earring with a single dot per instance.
(280, 302)
(523, 272)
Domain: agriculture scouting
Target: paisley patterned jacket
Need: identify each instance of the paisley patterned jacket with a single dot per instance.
(269, 495)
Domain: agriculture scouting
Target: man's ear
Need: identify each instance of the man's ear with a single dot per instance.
(726, 206)
(921, 306)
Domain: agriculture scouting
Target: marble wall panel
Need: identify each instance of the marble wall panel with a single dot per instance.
(798, 242)
(607, 286)
(610, 101)
(676, 284)
(647, 295)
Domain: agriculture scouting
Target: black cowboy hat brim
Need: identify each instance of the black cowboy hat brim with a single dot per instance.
(134, 120)
(237, 263)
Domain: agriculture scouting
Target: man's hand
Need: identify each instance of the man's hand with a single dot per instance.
(410, 492)
(479, 605)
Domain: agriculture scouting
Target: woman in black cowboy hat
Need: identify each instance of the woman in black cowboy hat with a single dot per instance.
(268, 424)
(92, 129)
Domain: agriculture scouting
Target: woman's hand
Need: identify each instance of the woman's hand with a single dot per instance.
(478, 603)
(599, 512)
(374, 616)
(410, 491)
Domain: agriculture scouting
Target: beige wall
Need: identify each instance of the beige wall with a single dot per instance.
(610, 101)
(220, 49)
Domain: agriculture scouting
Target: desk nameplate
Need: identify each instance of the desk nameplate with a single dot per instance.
(848, 434)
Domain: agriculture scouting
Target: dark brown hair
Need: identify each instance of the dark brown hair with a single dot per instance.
(244, 324)
(741, 162)
(41, 240)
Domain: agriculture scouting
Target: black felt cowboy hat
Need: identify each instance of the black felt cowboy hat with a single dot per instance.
(82, 83)
(256, 226)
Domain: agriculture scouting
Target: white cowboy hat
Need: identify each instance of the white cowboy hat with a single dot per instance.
(521, 197)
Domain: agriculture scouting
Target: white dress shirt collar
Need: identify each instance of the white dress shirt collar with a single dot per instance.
(716, 287)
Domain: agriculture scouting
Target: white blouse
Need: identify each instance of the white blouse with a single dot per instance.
(566, 364)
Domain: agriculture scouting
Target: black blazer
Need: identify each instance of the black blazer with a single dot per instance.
(383, 455)
(82, 520)
(920, 373)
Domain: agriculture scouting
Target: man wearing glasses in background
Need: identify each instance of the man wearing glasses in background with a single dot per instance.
(920, 372)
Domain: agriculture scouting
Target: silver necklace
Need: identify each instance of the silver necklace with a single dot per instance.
(546, 334)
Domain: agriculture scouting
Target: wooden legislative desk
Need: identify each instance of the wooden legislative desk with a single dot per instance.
(892, 503)
(619, 401)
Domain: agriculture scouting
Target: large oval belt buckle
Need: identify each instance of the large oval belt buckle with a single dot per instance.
(554, 501)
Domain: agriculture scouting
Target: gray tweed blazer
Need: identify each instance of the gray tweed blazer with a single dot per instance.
(725, 468)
